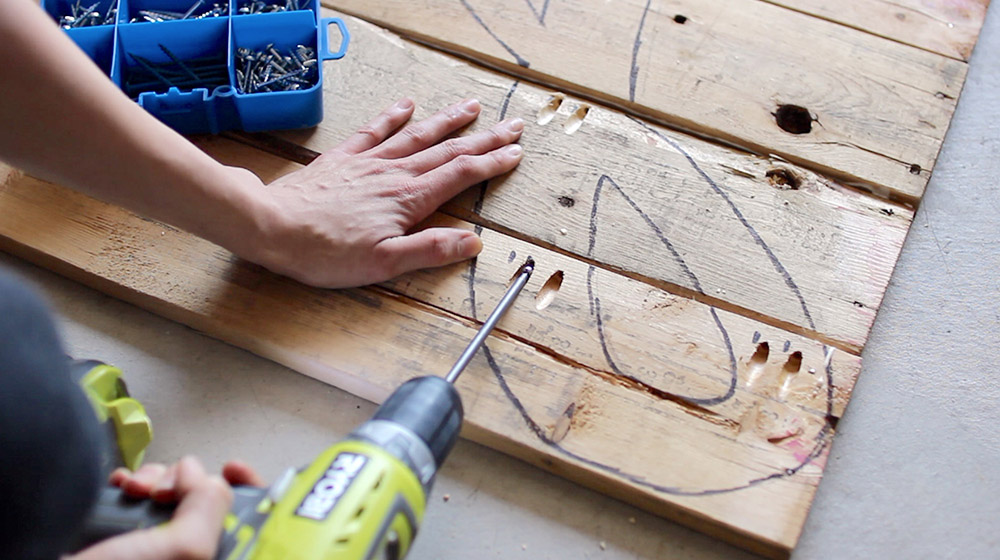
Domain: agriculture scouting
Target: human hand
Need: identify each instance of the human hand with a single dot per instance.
(345, 219)
(194, 530)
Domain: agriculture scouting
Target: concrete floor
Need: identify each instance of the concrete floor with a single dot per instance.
(912, 474)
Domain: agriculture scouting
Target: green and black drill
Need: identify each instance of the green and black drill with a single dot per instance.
(362, 498)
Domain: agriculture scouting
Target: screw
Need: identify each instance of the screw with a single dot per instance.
(263, 7)
(86, 17)
(191, 10)
(269, 70)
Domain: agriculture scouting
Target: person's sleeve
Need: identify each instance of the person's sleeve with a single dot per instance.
(50, 440)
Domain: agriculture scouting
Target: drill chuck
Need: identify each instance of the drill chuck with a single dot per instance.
(421, 418)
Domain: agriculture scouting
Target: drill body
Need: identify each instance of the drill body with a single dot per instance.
(362, 498)
(354, 501)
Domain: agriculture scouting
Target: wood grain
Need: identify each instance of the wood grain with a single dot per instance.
(876, 110)
(692, 332)
(716, 466)
(947, 27)
(699, 219)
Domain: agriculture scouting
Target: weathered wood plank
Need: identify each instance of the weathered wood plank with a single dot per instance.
(693, 467)
(947, 27)
(540, 392)
(876, 111)
(725, 226)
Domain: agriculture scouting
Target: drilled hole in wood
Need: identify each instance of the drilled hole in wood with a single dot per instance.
(788, 372)
(548, 111)
(549, 290)
(782, 178)
(575, 121)
(518, 271)
(793, 119)
(794, 363)
(680, 19)
(757, 363)
(915, 169)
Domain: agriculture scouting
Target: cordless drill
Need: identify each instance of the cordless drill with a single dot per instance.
(364, 497)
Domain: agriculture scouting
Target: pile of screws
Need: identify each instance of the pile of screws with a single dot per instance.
(207, 72)
(198, 10)
(86, 17)
(268, 70)
(262, 7)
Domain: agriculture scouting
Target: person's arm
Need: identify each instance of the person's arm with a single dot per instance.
(341, 221)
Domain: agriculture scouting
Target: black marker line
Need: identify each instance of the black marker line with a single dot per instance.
(789, 281)
(517, 57)
(477, 208)
(633, 74)
(649, 222)
(703, 401)
(595, 303)
(506, 101)
(539, 16)
(821, 438)
(739, 215)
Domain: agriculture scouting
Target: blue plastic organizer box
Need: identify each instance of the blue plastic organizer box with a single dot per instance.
(129, 51)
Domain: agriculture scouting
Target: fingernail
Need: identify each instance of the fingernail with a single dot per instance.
(514, 150)
(516, 125)
(470, 246)
(470, 106)
(404, 104)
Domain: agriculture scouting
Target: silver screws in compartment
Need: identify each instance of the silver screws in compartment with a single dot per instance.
(268, 70)
(81, 16)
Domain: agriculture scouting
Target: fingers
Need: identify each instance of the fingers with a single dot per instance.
(193, 531)
(444, 182)
(119, 476)
(238, 473)
(376, 131)
(500, 135)
(430, 131)
(140, 484)
(205, 500)
(425, 249)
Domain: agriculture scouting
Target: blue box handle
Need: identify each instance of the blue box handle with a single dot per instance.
(324, 38)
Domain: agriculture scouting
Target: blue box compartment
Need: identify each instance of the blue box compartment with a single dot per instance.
(185, 71)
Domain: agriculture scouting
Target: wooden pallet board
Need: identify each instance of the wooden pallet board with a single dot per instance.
(713, 305)
(761, 447)
(876, 110)
(946, 28)
(673, 210)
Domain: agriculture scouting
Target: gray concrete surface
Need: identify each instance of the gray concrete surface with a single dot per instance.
(913, 472)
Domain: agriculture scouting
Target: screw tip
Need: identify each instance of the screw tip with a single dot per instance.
(528, 266)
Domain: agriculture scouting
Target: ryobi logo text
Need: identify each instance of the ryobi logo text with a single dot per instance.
(327, 491)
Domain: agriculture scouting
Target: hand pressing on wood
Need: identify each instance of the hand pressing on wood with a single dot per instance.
(345, 219)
